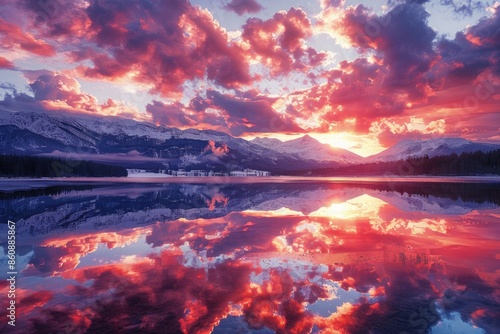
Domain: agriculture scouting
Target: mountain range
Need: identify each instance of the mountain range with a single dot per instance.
(132, 144)
(431, 147)
(308, 148)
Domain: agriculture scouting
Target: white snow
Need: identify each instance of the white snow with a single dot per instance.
(430, 147)
(310, 149)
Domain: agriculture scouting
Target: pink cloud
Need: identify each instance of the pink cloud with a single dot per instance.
(167, 39)
(12, 37)
(280, 41)
(5, 63)
(58, 91)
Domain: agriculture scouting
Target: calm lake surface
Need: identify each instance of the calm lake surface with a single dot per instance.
(254, 256)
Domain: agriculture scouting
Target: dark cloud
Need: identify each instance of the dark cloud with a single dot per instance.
(466, 7)
(249, 112)
(238, 113)
(404, 42)
(163, 43)
(471, 57)
(241, 7)
(173, 114)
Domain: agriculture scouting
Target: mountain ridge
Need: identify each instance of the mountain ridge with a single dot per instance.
(310, 148)
(37, 133)
(430, 147)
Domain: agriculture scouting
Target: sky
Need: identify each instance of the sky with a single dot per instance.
(360, 75)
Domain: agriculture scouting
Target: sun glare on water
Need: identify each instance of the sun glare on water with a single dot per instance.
(364, 206)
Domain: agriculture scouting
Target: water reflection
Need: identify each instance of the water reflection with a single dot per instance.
(284, 258)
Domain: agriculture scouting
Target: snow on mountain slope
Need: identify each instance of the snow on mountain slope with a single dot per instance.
(309, 148)
(65, 128)
(42, 133)
(431, 147)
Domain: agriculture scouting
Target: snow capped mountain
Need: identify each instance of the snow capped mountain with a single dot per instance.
(430, 147)
(309, 148)
(41, 133)
(33, 133)
(65, 128)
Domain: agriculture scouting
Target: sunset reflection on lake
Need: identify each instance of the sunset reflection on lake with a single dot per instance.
(259, 258)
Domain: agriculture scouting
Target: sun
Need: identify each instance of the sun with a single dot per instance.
(339, 140)
(359, 144)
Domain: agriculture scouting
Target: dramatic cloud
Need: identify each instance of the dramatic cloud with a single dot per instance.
(279, 41)
(170, 114)
(403, 41)
(249, 112)
(163, 44)
(12, 37)
(241, 7)
(57, 91)
(349, 69)
(241, 113)
(473, 52)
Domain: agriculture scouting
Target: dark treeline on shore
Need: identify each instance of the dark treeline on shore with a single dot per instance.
(29, 166)
(474, 163)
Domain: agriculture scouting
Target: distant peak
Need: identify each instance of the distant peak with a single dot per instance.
(308, 138)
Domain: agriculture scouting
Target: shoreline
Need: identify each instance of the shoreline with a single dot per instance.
(15, 184)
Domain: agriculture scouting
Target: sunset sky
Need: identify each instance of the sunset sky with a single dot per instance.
(360, 75)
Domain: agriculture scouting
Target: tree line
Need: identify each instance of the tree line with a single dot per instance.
(31, 166)
(467, 163)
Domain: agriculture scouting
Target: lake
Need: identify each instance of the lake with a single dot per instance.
(278, 255)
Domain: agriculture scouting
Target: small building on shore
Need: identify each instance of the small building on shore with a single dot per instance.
(199, 173)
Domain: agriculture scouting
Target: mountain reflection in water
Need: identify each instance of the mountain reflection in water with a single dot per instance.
(257, 258)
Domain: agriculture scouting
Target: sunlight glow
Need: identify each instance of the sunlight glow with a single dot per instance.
(364, 206)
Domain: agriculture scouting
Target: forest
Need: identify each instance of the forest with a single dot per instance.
(30, 166)
(473, 163)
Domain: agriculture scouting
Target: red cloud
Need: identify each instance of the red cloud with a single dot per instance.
(166, 44)
(12, 37)
(279, 41)
(5, 63)
(217, 151)
(163, 44)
